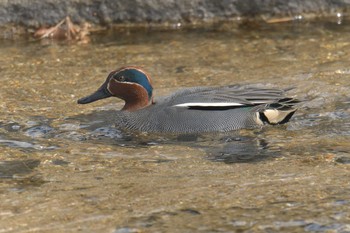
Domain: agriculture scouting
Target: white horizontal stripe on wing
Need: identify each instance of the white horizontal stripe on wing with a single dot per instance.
(185, 105)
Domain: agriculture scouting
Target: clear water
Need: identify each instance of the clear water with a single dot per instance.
(65, 167)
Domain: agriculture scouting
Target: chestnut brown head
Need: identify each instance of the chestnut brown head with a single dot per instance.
(130, 84)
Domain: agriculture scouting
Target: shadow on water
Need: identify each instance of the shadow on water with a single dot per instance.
(229, 147)
(9, 169)
(99, 127)
(240, 150)
(20, 174)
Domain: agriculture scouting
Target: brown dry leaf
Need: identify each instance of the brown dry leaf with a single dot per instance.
(65, 30)
(280, 20)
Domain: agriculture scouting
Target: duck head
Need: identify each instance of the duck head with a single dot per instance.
(130, 84)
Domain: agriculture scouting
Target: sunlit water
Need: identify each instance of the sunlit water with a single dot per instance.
(66, 168)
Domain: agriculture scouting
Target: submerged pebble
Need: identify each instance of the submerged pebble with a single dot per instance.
(69, 126)
(14, 143)
(25, 145)
(15, 127)
(38, 131)
(127, 230)
(75, 136)
(336, 227)
(107, 132)
(343, 160)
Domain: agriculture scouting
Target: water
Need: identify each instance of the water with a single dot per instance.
(65, 167)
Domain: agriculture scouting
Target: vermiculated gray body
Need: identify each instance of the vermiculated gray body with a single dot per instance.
(181, 120)
(165, 116)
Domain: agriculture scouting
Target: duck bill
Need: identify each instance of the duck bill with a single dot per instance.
(101, 93)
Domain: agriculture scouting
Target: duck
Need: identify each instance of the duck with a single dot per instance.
(192, 110)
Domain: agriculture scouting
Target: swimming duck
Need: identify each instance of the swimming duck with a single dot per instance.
(191, 110)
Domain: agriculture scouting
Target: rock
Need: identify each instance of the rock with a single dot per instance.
(36, 13)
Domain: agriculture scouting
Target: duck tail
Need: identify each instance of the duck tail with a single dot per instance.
(278, 112)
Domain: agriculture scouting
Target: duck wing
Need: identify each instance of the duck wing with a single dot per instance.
(220, 98)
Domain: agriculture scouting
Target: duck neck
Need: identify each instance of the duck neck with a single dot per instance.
(136, 104)
(136, 98)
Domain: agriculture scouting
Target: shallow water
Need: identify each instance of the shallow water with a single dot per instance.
(65, 167)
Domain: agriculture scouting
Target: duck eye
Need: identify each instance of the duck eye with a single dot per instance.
(120, 78)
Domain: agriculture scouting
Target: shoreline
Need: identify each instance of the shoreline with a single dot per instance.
(19, 18)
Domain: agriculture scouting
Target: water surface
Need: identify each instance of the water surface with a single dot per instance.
(65, 167)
